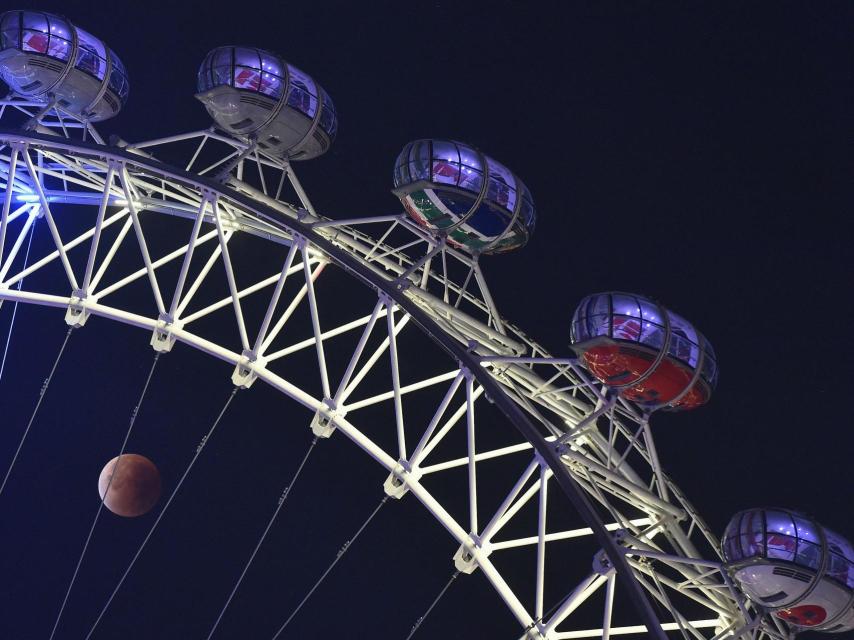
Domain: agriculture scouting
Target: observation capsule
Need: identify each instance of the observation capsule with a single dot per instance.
(254, 93)
(651, 355)
(44, 57)
(791, 565)
(455, 190)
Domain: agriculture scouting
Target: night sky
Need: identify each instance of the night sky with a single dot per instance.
(698, 153)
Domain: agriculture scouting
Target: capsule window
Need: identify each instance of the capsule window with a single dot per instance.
(626, 305)
(806, 530)
(271, 83)
(445, 163)
(683, 341)
(219, 76)
(469, 158)
(328, 120)
(578, 331)
(709, 372)
(780, 522)
(419, 160)
(247, 69)
(652, 331)
(91, 55)
(220, 57)
(400, 173)
(782, 547)
(59, 46)
(840, 568)
(35, 35)
(249, 58)
(34, 41)
(599, 325)
(809, 554)
(682, 348)
(10, 36)
(247, 78)
(118, 78)
(35, 21)
(471, 171)
(502, 185)
(471, 179)
(10, 30)
(303, 92)
(529, 219)
(593, 317)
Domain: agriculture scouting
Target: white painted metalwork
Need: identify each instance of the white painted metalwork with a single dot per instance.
(604, 447)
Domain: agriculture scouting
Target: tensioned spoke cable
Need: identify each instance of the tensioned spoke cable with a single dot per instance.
(133, 415)
(340, 555)
(282, 500)
(42, 392)
(547, 614)
(15, 306)
(420, 620)
(163, 511)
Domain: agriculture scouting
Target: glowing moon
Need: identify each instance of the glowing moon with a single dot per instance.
(135, 486)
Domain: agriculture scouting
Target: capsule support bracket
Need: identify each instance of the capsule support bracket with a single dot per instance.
(397, 484)
(77, 313)
(162, 338)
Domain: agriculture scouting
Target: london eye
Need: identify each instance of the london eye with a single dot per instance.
(254, 348)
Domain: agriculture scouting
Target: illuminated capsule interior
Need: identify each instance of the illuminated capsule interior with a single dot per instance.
(790, 564)
(255, 94)
(651, 355)
(453, 189)
(44, 57)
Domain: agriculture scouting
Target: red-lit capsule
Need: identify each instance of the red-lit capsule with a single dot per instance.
(649, 354)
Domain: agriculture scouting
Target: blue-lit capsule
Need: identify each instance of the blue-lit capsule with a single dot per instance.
(256, 94)
(791, 565)
(455, 190)
(44, 57)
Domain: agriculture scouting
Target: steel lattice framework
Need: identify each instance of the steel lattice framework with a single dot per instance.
(559, 425)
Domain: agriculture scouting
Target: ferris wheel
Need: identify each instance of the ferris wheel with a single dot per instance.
(208, 239)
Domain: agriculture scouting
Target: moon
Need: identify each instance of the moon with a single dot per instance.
(135, 485)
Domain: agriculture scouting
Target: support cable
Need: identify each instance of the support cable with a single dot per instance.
(282, 500)
(163, 510)
(547, 614)
(133, 415)
(15, 306)
(340, 555)
(42, 392)
(420, 620)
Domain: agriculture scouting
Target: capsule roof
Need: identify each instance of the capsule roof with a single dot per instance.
(487, 204)
(51, 36)
(267, 74)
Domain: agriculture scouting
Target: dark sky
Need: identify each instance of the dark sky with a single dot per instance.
(696, 152)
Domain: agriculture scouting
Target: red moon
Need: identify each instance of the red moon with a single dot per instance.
(135, 487)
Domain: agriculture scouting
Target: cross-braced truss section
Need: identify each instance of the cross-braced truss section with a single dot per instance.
(232, 270)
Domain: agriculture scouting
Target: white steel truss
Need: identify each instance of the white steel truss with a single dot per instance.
(412, 285)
